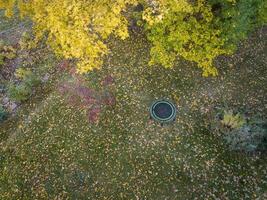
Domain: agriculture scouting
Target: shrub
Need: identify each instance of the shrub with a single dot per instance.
(6, 52)
(32, 80)
(1, 60)
(240, 132)
(23, 90)
(2, 87)
(232, 120)
(19, 92)
(28, 77)
(25, 41)
(3, 114)
(79, 95)
(22, 73)
(248, 138)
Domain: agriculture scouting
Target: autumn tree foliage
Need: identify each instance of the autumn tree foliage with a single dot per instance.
(198, 30)
(75, 29)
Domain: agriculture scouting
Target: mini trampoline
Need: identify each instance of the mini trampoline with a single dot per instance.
(162, 111)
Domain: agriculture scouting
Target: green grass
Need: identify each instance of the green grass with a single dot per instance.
(52, 152)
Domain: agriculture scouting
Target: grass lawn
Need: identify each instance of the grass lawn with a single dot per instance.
(50, 151)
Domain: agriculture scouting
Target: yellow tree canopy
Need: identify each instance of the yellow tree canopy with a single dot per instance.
(198, 30)
(75, 28)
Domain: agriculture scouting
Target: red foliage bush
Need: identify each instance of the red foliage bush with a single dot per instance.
(93, 114)
(80, 96)
(84, 92)
(74, 101)
(108, 80)
(109, 99)
(64, 65)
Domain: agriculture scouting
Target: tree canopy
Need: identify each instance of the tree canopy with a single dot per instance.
(198, 30)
